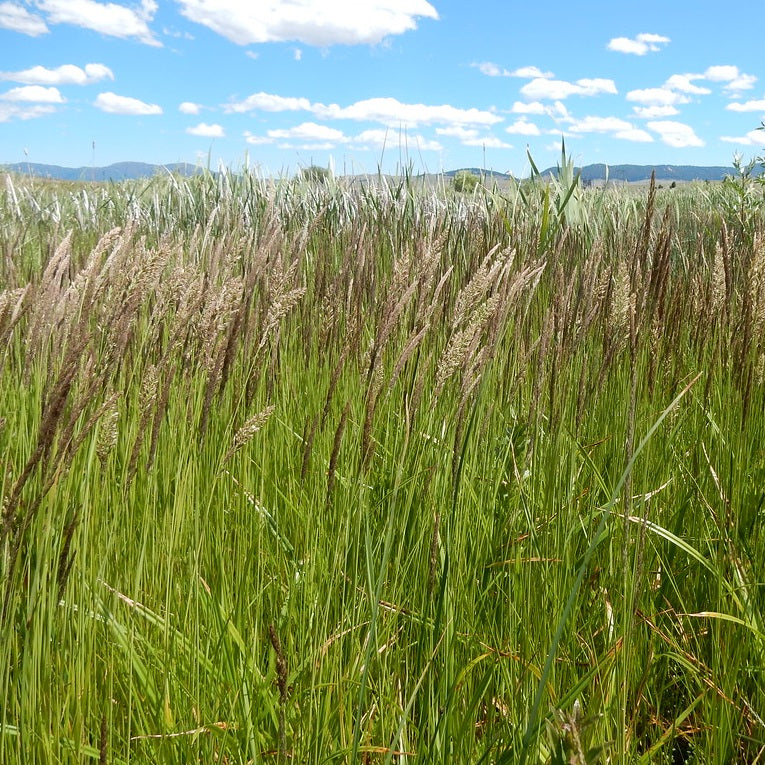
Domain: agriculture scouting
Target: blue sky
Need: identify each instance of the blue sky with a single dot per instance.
(362, 84)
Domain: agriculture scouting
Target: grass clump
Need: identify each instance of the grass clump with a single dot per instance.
(376, 473)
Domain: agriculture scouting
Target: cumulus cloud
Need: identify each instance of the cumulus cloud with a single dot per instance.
(18, 19)
(684, 84)
(457, 131)
(634, 134)
(599, 125)
(723, 73)
(616, 127)
(257, 140)
(639, 45)
(312, 22)
(488, 142)
(531, 73)
(527, 72)
(492, 70)
(321, 137)
(472, 137)
(657, 97)
(114, 104)
(203, 130)
(105, 18)
(267, 102)
(34, 94)
(188, 107)
(534, 107)
(309, 131)
(654, 112)
(675, 134)
(747, 106)
(312, 136)
(543, 88)
(68, 74)
(390, 111)
(14, 111)
(752, 138)
(734, 80)
(742, 82)
(379, 139)
(423, 144)
(522, 127)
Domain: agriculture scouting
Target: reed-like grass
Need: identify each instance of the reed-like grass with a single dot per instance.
(376, 472)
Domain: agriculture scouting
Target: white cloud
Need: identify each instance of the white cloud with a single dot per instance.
(34, 94)
(492, 70)
(312, 22)
(734, 79)
(375, 138)
(535, 107)
(640, 45)
(657, 97)
(424, 144)
(742, 82)
(654, 112)
(676, 134)
(747, 106)
(527, 72)
(307, 146)
(204, 130)
(171, 32)
(599, 125)
(542, 88)
(114, 104)
(752, 138)
(257, 140)
(456, 131)
(321, 137)
(488, 142)
(616, 127)
(297, 54)
(10, 112)
(472, 137)
(309, 131)
(595, 86)
(266, 102)
(18, 19)
(683, 83)
(522, 127)
(531, 72)
(390, 111)
(634, 134)
(68, 74)
(723, 73)
(188, 107)
(105, 18)
(387, 111)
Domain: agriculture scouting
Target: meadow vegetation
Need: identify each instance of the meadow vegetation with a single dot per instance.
(331, 472)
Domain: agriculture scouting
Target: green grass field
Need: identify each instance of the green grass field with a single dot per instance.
(319, 473)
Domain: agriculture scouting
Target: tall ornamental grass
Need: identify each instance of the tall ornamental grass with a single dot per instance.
(376, 472)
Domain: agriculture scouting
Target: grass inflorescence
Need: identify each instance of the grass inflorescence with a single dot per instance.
(376, 472)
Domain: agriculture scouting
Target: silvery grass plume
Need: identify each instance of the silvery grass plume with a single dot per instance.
(244, 435)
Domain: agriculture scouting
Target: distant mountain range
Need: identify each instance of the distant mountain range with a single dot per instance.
(122, 171)
(629, 173)
(636, 173)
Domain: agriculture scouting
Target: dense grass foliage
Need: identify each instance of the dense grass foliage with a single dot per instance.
(314, 472)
